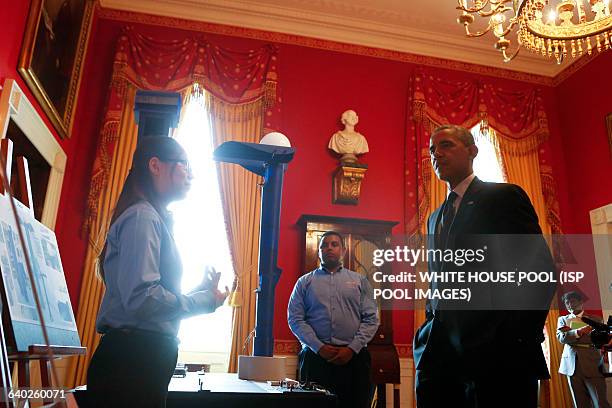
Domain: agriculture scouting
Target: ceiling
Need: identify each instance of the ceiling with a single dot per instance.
(422, 27)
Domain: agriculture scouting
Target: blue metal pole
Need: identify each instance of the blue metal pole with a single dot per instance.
(269, 272)
(268, 161)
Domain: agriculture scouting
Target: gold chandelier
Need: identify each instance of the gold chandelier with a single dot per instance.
(556, 28)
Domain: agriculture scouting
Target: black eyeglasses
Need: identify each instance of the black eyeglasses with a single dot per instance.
(184, 162)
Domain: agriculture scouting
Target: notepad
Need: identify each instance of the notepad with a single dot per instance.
(577, 324)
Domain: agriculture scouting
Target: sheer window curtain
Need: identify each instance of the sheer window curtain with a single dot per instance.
(241, 200)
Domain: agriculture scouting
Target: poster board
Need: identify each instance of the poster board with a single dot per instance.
(21, 321)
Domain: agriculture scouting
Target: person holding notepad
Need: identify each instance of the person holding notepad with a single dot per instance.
(580, 359)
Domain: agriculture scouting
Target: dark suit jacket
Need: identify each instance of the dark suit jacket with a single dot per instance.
(503, 336)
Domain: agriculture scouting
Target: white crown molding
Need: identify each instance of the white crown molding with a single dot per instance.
(342, 28)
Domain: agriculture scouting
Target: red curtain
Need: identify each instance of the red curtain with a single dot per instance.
(172, 65)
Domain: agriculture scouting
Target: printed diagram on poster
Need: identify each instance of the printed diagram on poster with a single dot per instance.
(48, 276)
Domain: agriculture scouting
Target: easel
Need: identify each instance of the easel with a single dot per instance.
(36, 352)
(40, 352)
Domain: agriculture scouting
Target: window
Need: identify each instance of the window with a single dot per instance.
(487, 166)
(201, 238)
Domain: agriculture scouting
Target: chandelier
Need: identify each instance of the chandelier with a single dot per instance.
(554, 28)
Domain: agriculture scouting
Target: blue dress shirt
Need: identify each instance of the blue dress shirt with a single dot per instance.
(333, 308)
(143, 270)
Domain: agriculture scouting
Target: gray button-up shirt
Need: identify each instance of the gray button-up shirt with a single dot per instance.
(333, 308)
(143, 270)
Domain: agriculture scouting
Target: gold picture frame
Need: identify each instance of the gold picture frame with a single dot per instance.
(52, 56)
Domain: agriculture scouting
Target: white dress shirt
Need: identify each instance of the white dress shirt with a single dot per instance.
(460, 190)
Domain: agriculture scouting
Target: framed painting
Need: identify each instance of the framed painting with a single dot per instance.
(52, 56)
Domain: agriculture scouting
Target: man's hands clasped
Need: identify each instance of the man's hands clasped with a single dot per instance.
(338, 355)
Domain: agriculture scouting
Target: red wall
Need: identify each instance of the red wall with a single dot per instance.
(583, 101)
(377, 90)
(79, 148)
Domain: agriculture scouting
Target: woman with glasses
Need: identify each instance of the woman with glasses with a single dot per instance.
(142, 306)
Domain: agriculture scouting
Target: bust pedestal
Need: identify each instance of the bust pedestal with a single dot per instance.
(346, 183)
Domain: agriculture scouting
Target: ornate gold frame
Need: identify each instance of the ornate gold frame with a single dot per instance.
(62, 121)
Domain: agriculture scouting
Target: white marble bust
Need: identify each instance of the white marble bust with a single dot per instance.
(348, 142)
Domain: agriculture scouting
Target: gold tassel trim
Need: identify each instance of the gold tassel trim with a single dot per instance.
(229, 112)
(269, 94)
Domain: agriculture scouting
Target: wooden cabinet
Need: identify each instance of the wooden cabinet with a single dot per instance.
(361, 238)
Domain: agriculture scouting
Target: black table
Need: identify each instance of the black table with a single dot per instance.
(227, 391)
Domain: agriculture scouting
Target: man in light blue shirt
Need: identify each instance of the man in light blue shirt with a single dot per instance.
(333, 313)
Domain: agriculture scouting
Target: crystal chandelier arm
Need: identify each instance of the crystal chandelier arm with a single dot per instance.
(502, 9)
(499, 9)
(513, 22)
(478, 33)
(462, 5)
(496, 7)
(511, 57)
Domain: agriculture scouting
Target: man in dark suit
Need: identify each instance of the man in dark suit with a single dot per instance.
(486, 352)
